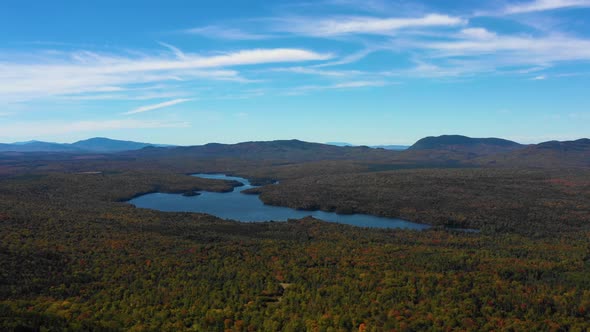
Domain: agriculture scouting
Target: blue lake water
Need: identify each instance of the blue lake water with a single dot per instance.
(249, 208)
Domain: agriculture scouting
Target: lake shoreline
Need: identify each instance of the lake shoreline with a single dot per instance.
(244, 206)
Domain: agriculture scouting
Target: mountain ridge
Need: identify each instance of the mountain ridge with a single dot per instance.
(464, 147)
(575, 153)
(441, 150)
(91, 145)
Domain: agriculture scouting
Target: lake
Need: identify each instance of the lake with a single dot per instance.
(249, 208)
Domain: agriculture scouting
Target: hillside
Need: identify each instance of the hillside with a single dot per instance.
(102, 144)
(293, 150)
(548, 154)
(479, 146)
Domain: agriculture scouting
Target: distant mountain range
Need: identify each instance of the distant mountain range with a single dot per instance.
(442, 151)
(431, 151)
(92, 145)
(386, 147)
(390, 147)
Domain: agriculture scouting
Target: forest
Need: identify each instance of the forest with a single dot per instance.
(74, 256)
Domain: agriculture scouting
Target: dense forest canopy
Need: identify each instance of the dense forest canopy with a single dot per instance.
(75, 256)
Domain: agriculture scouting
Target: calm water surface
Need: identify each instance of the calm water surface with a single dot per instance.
(249, 208)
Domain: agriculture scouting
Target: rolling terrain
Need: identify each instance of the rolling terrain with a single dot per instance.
(75, 256)
(545, 155)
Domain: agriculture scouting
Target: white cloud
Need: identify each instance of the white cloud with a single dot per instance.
(357, 84)
(131, 95)
(49, 128)
(354, 57)
(477, 33)
(86, 72)
(157, 106)
(179, 54)
(424, 69)
(257, 56)
(514, 50)
(217, 32)
(543, 5)
(315, 71)
(539, 78)
(337, 86)
(364, 25)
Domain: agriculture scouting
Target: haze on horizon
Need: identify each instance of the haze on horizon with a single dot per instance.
(363, 72)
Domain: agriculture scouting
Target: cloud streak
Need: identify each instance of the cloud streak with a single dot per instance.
(516, 49)
(218, 32)
(148, 108)
(87, 72)
(318, 72)
(544, 5)
(365, 25)
(336, 86)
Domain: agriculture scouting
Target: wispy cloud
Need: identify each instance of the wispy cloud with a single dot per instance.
(219, 32)
(440, 44)
(50, 128)
(157, 106)
(128, 95)
(84, 72)
(509, 49)
(543, 5)
(357, 84)
(177, 52)
(315, 71)
(337, 26)
(452, 69)
(477, 33)
(351, 58)
(336, 86)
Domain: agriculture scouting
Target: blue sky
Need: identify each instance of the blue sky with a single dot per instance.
(364, 72)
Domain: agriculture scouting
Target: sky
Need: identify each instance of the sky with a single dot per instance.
(363, 72)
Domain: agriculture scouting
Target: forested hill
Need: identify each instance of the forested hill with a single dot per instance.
(102, 144)
(294, 150)
(581, 145)
(548, 154)
(466, 144)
